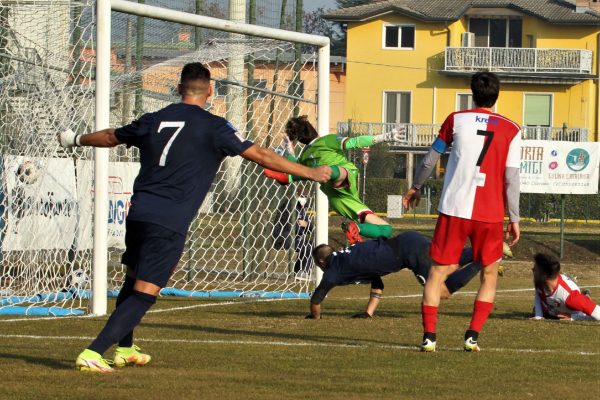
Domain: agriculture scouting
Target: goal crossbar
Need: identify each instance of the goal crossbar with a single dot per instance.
(102, 118)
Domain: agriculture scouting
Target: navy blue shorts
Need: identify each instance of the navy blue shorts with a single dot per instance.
(152, 251)
(418, 261)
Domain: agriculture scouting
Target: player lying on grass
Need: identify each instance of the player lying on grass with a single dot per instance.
(556, 295)
(368, 261)
(342, 188)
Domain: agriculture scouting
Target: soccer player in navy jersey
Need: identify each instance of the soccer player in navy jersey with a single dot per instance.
(481, 181)
(181, 148)
(367, 262)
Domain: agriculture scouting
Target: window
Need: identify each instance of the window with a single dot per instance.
(496, 32)
(295, 88)
(398, 37)
(537, 110)
(397, 107)
(220, 88)
(464, 101)
(260, 84)
(515, 33)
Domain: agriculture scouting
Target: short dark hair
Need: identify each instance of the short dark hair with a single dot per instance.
(486, 88)
(298, 128)
(322, 251)
(194, 72)
(547, 264)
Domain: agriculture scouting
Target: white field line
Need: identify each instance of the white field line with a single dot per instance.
(303, 344)
(464, 293)
(226, 303)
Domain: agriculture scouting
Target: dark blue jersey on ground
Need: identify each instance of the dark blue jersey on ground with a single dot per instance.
(181, 149)
(367, 262)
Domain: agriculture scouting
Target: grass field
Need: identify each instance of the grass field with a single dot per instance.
(253, 349)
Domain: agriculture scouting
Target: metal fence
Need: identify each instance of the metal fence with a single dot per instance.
(422, 135)
(501, 59)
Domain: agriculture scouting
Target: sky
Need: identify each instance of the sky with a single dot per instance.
(310, 5)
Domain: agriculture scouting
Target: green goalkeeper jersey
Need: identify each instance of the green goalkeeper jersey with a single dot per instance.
(326, 150)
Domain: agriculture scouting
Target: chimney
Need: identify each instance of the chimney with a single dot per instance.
(584, 5)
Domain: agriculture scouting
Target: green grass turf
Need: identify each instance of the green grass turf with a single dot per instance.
(266, 350)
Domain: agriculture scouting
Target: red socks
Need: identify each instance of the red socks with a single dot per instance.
(429, 314)
(481, 312)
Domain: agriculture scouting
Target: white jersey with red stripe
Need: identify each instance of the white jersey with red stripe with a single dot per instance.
(566, 299)
(483, 145)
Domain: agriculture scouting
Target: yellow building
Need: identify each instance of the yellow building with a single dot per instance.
(409, 61)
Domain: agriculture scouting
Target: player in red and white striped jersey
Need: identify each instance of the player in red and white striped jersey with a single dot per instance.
(556, 295)
(482, 178)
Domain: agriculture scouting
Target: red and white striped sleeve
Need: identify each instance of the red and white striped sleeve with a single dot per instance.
(580, 302)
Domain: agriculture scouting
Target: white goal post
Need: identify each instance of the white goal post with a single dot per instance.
(90, 65)
(102, 118)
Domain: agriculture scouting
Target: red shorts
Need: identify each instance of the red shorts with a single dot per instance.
(450, 236)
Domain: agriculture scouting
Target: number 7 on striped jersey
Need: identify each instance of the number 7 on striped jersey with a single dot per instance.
(169, 124)
(489, 136)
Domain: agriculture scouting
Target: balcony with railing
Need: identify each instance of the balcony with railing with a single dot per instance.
(520, 62)
(422, 135)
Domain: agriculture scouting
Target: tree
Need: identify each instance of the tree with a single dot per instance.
(352, 3)
(339, 46)
(316, 25)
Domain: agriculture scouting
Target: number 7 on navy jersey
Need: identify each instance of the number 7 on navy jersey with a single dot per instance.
(489, 136)
(169, 124)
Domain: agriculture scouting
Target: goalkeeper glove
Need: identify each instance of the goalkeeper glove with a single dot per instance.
(395, 135)
(69, 138)
(289, 145)
(280, 177)
(362, 315)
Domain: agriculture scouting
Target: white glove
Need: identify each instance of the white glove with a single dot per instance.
(289, 146)
(69, 138)
(397, 134)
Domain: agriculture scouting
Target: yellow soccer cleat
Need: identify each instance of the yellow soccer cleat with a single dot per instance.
(90, 361)
(125, 356)
(501, 270)
(506, 251)
(471, 345)
(428, 346)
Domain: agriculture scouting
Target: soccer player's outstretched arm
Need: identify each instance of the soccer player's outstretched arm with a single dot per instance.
(269, 159)
(359, 142)
(374, 298)
(102, 138)
(317, 298)
(538, 313)
(580, 302)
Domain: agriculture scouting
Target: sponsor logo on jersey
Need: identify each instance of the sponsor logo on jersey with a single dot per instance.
(486, 120)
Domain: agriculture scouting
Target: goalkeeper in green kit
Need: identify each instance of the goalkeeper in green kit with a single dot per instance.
(342, 189)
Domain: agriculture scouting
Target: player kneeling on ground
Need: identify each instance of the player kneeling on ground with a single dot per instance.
(556, 295)
(342, 188)
(368, 261)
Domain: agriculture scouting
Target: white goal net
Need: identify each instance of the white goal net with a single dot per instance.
(251, 237)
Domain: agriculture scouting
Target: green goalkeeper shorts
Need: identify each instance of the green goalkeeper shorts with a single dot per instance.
(345, 200)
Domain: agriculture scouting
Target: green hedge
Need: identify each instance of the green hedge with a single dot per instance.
(540, 207)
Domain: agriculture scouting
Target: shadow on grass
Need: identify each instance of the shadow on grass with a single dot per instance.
(48, 362)
(516, 315)
(302, 337)
(592, 244)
